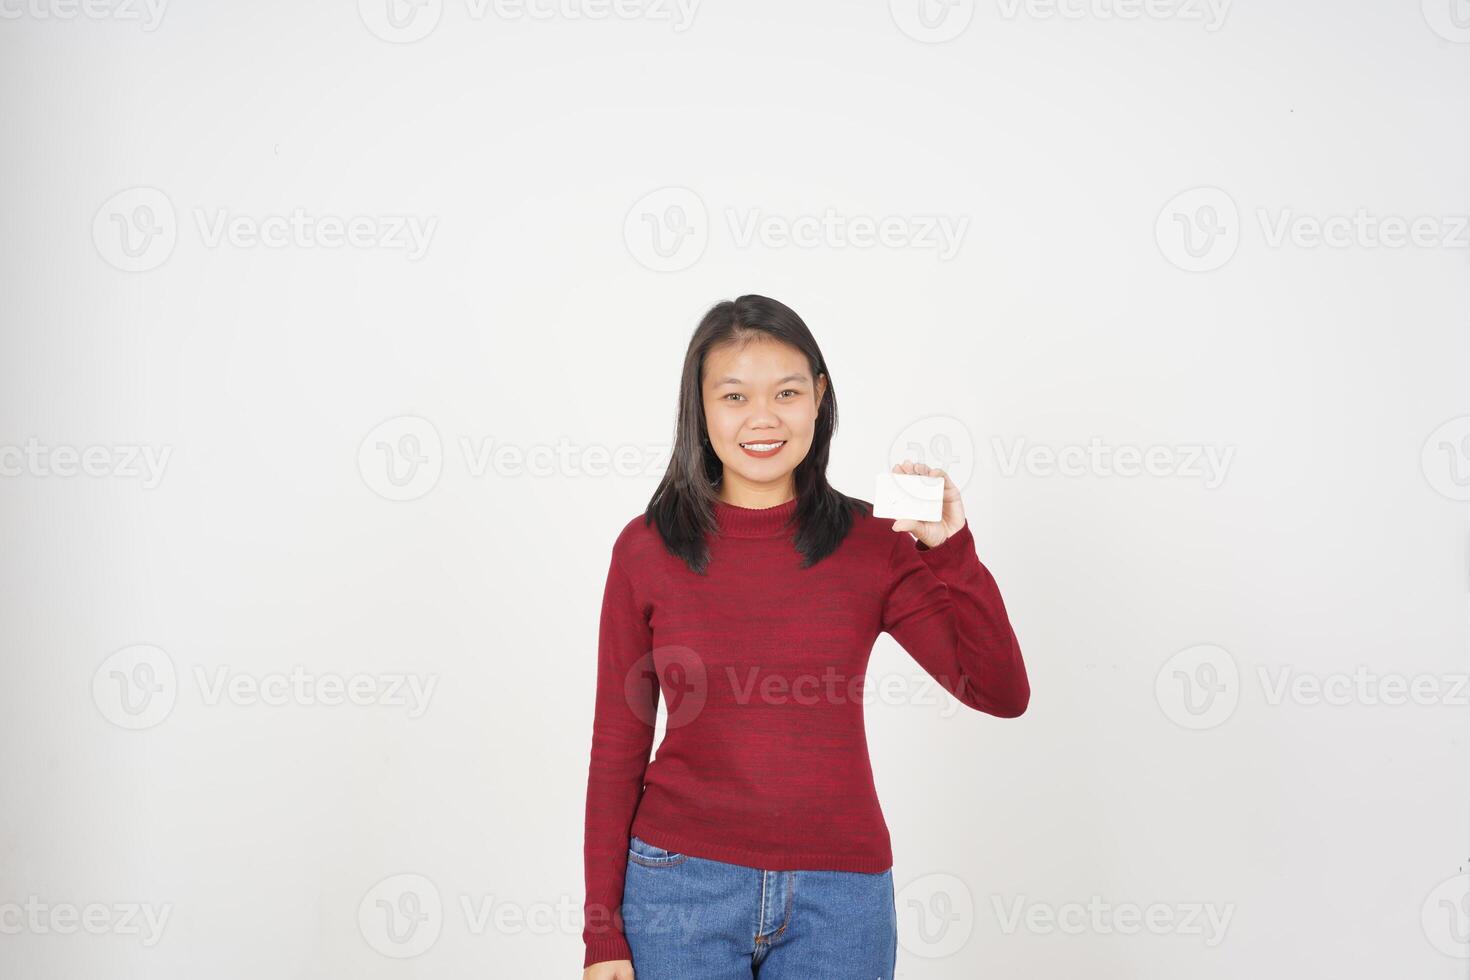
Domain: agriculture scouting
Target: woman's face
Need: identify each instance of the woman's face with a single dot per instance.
(761, 392)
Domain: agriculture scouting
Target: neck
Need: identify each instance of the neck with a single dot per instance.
(739, 493)
(754, 522)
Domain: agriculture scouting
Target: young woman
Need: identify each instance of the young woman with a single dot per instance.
(748, 596)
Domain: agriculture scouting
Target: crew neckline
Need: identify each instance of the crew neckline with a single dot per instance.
(753, 522)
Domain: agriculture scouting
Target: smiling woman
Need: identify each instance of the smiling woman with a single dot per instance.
(758, 396)
(757, 827)
(757, 410)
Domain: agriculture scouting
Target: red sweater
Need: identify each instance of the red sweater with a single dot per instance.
(764, 759)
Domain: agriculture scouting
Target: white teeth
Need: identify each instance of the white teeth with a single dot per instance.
(761, 447)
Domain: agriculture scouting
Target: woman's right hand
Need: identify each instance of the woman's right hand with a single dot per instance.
(609, 970)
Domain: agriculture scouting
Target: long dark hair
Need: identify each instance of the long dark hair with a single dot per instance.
(683, 505)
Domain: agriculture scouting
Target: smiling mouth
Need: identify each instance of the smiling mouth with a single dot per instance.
(763, 447)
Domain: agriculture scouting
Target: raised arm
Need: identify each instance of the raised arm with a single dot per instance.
(944, 608)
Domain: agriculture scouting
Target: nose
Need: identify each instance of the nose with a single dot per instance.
(762, 412)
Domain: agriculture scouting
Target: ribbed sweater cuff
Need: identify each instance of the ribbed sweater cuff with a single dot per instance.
(956, 548)
(609, 947)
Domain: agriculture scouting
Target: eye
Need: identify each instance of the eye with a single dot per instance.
(736, 394)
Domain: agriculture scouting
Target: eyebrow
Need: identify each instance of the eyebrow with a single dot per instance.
(781, 381)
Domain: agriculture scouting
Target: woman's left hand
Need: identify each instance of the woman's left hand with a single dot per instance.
(951, 519)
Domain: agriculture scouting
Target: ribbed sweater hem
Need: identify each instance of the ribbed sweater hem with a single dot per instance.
(786, 861)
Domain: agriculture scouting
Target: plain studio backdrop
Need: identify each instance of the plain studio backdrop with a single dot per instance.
(340, 342)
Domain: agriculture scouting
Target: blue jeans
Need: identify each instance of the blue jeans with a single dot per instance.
(693, 918)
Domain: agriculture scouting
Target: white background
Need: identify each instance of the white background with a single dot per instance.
(1076, 145)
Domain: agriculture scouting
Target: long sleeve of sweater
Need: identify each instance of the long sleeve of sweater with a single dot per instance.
(622, 737)
(944, 608)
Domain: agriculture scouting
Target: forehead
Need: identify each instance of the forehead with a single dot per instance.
(762, 360)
